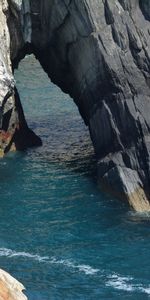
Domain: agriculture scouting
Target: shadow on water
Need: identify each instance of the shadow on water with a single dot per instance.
(60, 235)
(55, 118)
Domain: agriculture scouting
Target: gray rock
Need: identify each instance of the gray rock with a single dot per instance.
(98, 52)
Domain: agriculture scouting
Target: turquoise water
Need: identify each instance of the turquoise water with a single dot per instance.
(60, 235)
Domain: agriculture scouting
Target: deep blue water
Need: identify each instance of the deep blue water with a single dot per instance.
(59, 234)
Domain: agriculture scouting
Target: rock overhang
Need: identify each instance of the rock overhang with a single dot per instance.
(98, 52)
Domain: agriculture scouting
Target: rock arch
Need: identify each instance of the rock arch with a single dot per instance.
(98, 52)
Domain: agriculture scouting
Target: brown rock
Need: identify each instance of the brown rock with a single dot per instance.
(10, 288)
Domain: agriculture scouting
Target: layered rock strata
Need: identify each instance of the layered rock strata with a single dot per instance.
(10, 288)
(98, 51)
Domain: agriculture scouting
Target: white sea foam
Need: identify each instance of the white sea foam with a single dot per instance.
(138, 216)
(115, 281)
(126, 284)
(145, 290)
(120, 283)
(88, 270)
(11, 253)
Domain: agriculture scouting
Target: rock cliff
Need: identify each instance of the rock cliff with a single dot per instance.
(98, 51)
(10, 288)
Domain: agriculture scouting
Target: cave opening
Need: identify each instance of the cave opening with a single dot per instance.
(52, 114)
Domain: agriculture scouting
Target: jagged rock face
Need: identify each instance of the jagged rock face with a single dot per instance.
(98, 52)
(6, 82)
(14, 132)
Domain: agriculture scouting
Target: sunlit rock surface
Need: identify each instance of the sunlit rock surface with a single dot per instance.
(10, 288)
(98, 52)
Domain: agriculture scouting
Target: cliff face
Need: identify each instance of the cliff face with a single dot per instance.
(98, 52)
(10, 288)
(14, 132)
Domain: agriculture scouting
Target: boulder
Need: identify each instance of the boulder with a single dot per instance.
(10, 288)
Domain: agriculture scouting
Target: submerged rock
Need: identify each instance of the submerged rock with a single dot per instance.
(10, 288)
(99, 53)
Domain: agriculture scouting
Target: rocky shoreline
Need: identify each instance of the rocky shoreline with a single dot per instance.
(99, 53)
(10, 288)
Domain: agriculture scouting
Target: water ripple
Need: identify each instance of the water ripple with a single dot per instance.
(88, 270)
(115, 281)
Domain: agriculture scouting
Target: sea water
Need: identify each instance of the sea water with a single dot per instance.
(59, 234)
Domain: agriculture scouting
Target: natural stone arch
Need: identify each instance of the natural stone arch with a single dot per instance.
(98, 52)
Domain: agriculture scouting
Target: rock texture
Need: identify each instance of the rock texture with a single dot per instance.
(10, 288)
(98, 51)
(14, 132)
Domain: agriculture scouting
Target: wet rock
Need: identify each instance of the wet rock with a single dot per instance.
(14, 132)
(98, 52)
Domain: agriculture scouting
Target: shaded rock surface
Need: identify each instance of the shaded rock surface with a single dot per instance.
(10, 288)
(14, 132)
(98, 51)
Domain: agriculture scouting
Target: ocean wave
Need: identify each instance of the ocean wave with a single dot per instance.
(126, 284)
(145, 290)
(116, 281)
(11, 253)
(120, 283)
(88, 270)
